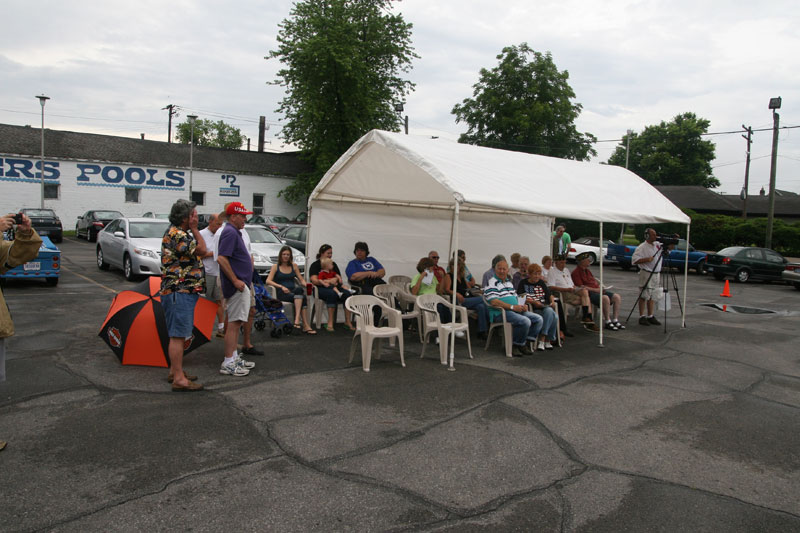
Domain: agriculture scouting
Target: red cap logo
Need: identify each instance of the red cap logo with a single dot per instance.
(237, 208)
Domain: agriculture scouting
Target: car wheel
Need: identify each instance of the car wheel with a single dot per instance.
(127, 268)
(101, 261)
(797, 285)
(701, 267)
(718, 276)
(743, 275)
(77, 235)
(52, 282)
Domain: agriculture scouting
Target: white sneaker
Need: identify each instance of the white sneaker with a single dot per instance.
(233, 369)
(540, 346)
(548, 345)
(247, 364)
(460, 334)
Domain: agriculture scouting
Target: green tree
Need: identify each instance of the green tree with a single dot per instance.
(342, 62)
(209, 133)
(525, 104)
(671, 153)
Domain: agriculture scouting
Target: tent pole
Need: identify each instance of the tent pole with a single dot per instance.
(454, 276)
(685, 278)
(602, 322)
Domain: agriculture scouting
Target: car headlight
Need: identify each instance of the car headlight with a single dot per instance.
(259, 258)
(146, 253)
(300, 259)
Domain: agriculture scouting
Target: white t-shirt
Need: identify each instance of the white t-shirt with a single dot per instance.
(647, 250)
(210, 263)
(560, 278)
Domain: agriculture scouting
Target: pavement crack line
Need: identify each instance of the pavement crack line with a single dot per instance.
(123, 501)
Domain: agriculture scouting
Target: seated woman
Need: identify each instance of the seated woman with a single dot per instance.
(547, 264)
(364, 272)
(425, 283)
(283, 276)
(463, 298)
(522, 274)
(328, 284)
(539, 298)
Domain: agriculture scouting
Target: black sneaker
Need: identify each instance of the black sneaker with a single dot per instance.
(516, 351)
(653, 320)
(643, 321)
(525, 349)
(252, 351)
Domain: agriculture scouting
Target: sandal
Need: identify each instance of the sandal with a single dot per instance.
(187, 376)
(310, 331)
(619, 324)
(329, 328)
(349, 327)
(297, 325)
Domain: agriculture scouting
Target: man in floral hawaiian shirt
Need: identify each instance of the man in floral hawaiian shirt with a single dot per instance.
(182, 281)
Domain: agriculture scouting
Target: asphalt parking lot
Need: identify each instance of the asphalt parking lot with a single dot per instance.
(696, 429)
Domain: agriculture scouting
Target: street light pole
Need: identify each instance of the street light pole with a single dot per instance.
(42, 100)
(774, 103)
(191, 118)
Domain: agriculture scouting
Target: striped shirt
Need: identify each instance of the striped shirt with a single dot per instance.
(504, 290)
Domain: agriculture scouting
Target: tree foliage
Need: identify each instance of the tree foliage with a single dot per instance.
(209, 133)
(525, 104)
(342, 65)
(671, 153)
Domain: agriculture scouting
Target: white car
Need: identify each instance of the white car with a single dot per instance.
(588, 244)
(132, 244)
(265, 246)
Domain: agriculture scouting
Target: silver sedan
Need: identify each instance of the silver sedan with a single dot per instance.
(132, 244)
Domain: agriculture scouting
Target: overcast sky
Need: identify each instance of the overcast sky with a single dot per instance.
(111, 66)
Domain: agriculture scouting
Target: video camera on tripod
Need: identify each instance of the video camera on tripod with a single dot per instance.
(667, 240)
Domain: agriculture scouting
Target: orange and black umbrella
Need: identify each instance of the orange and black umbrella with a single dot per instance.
(136, 330)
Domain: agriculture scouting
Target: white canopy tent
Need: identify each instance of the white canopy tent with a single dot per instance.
(406, 195)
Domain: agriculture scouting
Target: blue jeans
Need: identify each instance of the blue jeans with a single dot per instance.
(524, 326)
(550, 319)
(476, 303)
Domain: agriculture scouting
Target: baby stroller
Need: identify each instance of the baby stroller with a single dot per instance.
(269, 309)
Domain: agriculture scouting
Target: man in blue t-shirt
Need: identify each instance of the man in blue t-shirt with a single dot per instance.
(364, 272)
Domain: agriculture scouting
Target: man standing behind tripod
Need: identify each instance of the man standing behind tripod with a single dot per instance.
(648, 258)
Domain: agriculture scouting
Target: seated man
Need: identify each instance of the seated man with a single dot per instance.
(364, 272)
(522, 273)
(437, 270)
(583, 277)
(560, 282)
(502, 298)
(489, 274)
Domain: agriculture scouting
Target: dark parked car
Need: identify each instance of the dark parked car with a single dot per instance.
(203, 219)
(295, 236)
(301, 218)
(45, 222)
(791, 275)
(744, 263)
(274, 223)
(92, 222)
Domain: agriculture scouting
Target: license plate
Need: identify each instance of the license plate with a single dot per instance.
(43, 232)
(710, 268)
(33, 266)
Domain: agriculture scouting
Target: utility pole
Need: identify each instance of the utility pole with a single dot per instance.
(774, 103)
(627, 157)
(172, 111)
(745, 190)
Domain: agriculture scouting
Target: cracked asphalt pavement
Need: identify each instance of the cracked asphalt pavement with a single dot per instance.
(693, 429)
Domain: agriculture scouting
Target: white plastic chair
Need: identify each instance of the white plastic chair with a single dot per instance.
(427, 303)
(507, 333)
(361, 306)
(399, 280)
(394, 296)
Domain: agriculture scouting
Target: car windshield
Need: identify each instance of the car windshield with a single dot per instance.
(148, 230)
(262, 235)
(39, 212)
(107, 214)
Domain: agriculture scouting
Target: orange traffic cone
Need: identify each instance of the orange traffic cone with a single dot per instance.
(726, 292)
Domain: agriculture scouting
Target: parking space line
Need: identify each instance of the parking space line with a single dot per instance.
(109, 289)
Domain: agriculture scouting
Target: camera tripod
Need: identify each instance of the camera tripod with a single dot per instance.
(668, 276)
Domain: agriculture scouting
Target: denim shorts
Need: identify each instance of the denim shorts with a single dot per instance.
(179, 313)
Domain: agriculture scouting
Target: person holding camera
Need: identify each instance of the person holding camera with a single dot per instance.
(22, 249)
(647, 258)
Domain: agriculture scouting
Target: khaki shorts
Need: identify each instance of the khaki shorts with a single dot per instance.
(570, 298)
(653, 291)
(238, 305)
(213, 288)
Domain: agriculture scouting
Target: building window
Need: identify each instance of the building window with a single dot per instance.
(132, 195)
(199, 197)
(258, 204)
(51, 191)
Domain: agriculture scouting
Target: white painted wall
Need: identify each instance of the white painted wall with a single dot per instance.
(86, 185)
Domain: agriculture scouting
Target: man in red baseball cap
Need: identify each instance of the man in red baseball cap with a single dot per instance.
(237, 208)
